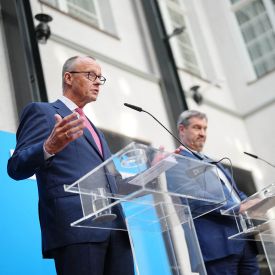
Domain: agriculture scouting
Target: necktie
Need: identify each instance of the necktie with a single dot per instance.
(90, 128)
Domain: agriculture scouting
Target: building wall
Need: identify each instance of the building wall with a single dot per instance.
(249, 92)
(126, 66)
(127, 46)
(239, 105)
(132, 77)
(254, 98)
(8, 121)
(261, 131)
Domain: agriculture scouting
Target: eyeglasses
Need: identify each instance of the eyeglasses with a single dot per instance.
(92, 76)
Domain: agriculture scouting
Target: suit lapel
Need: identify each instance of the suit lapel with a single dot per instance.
(186, 153)
(63, 111)
(61, 108)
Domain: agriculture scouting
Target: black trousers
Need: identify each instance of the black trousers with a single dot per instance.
(105, 258)
(242, 264)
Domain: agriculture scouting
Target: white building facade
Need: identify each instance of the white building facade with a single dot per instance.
(227, 48)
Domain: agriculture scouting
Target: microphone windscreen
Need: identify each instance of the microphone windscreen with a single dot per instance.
(133, 107)
(251, 155)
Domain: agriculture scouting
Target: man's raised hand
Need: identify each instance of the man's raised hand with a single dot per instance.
(65, 131)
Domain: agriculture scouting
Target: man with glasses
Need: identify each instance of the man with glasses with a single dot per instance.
(59, 144)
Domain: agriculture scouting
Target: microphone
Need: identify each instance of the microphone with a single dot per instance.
(257, 157)
(251, 155)
(139, 109)
(133, 107)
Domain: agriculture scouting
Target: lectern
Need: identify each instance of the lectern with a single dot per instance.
(257, 223)
(156, 192)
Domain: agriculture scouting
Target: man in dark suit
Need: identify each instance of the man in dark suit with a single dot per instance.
(60, 146)
(221, 255)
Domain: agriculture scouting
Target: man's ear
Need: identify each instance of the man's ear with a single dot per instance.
(181, 128)
(68, 78)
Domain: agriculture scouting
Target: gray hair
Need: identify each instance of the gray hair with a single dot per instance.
(186, 115)
(69, 65)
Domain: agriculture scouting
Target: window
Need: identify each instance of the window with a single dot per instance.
(86, 10)
(51, 2)
(94, 12)
(234, 1)
(173, 15)
(258, 32)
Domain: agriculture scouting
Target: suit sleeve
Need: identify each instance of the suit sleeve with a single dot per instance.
(32, 132)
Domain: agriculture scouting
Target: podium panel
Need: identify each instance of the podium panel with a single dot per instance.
(257, 221)
(163, 246)
(268, 242)
(258, 217)
(138, 170)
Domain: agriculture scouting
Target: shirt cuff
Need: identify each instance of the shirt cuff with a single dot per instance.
(46, 154)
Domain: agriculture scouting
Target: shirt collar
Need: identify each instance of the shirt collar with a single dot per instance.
(70, 104)
(196, 152)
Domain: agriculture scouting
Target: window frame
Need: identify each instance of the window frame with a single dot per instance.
(270, 14)
(62, 7)
(175, 42)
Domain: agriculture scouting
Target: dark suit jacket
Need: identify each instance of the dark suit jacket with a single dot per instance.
(213, 229)
(57, 208)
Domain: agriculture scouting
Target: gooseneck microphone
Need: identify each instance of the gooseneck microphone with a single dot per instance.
(251, 155)
(134, 107)
(139, 109)
(257, 157)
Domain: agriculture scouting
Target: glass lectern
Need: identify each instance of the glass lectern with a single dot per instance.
(156, 192)
(257, 222)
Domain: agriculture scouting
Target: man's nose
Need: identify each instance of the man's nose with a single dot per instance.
(97, 81)
(202, 132)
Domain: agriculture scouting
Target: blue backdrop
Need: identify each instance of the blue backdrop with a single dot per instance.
(20, 241)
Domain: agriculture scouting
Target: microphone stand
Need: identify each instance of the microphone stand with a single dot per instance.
(139, 109)
(256, 157)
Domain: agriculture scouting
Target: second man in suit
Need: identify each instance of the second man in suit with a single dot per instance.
(221, 255)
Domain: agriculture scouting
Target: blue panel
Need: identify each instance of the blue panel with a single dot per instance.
(149, 245)
(20, 239)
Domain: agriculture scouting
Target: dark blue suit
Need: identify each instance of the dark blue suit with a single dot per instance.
(213, 230)
(57, 208)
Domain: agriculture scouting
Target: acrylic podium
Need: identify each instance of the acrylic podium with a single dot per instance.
(257, 222)
(155, 191)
